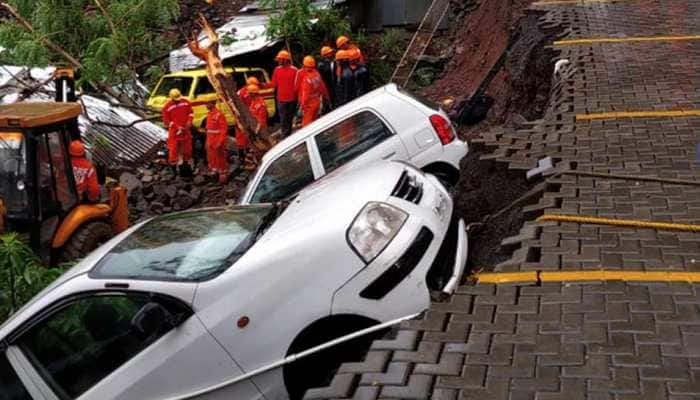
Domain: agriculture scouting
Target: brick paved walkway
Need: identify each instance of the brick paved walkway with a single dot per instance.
(593, 340)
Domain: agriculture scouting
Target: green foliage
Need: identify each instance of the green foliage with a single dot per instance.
(85, 32)
(391, 47)
(21, 274)
(304, 27)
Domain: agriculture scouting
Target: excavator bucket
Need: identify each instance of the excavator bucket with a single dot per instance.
(118, 202)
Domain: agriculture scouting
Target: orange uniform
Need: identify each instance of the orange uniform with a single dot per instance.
(216, 141)
(177, 117)
(85, 179)
(259, 110)
(311, 91)
(244, 95)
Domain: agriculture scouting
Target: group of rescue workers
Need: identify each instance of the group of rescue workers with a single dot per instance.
(340, 76)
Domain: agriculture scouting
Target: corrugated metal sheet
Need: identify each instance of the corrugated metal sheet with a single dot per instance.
(109, 137)
(248, 31)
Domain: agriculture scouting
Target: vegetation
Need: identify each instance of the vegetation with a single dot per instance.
(21, 274)
(390, 47)
(304, 27)
(109, 38)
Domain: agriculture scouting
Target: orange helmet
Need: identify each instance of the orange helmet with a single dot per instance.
(309, 62)
(341, 41)
(341, 55)
(76, 149)
(283, 55)
(326, 51)
(252, 81)
(253, 89)
(354, 54)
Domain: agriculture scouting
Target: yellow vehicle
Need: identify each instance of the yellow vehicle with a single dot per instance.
(38, 196)
(196, 88)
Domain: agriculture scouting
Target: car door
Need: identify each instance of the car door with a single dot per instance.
(123, 345)
(361, 138)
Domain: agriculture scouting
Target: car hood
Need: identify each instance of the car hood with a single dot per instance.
(338, 198)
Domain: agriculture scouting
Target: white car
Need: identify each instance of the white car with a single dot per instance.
(386, 123)
(217, 303)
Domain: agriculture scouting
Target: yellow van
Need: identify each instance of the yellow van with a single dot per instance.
(195, 86)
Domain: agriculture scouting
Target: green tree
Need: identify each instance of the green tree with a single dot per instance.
(21, 274)
(305, 27)
(109, 38)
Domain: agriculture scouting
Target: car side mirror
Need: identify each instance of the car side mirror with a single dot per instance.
(152, 318)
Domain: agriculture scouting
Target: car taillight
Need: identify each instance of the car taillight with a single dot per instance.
(442, 128)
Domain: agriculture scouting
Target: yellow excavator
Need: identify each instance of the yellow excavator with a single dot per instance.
(38, 197)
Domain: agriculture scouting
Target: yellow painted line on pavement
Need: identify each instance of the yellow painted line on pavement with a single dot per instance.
(506, 277)
(570, 42)
(638, 114)
(632, 223)
(587, 276)
(567, 2)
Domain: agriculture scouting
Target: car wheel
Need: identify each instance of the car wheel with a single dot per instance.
(318, 369)
(86, 239)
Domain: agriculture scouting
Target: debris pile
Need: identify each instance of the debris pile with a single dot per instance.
(156, 189)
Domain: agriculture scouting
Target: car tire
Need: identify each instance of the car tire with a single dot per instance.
(86, 239)
(318, 369)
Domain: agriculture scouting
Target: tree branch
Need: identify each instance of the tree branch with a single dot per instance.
(107, 17)
(68, 57)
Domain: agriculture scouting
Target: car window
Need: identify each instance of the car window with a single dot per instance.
(12, 386)
(239, 77)
(88, 339)
(204, 87)
(350, 139)
(180, 83)
(285, 176)
(61, 163)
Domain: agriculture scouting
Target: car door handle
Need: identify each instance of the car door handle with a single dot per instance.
(388, 156)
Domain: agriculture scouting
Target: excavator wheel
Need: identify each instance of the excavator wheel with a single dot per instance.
(86, 239)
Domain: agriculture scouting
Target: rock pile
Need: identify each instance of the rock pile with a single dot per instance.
(155, 190)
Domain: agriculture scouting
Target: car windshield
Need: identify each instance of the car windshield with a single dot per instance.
(12, 172)
(191, 246)
(181, 83)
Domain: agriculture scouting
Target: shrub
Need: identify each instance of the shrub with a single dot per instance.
(21, 274)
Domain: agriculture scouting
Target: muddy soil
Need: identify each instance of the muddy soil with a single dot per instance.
(485, 188)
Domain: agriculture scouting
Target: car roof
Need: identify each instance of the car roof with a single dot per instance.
(195, 73)
(304, 133)
(34, 114)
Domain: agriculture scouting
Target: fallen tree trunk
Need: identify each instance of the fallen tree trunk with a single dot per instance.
(225, 88)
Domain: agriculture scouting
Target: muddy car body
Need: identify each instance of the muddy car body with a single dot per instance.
(205, 303)
(385, 124)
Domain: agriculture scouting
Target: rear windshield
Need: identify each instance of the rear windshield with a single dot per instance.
(192, 246)
(181, 83)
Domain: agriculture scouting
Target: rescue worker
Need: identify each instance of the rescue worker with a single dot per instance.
(217, 128)
(312, 91)
(284, 80)
(360, 73)
(257, 107)
(345, 85)
(326, 67)
(84, 173)
(343, 43)
(177, 117)
(243, 92)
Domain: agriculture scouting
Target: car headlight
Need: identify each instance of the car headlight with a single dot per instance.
(373, 228)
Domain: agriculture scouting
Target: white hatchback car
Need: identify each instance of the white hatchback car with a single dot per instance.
(386, 123)
(217, 303)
